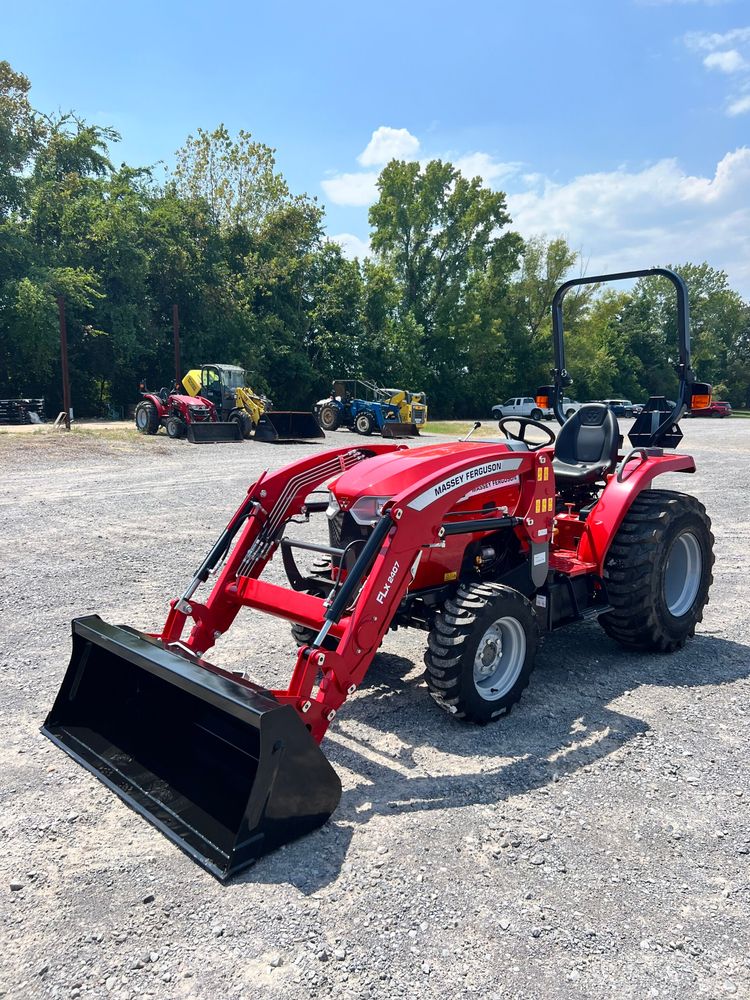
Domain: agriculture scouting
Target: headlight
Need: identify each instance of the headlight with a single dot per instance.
(368, 509)
(333, 505)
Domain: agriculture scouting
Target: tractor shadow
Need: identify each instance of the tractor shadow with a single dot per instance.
(563, 723)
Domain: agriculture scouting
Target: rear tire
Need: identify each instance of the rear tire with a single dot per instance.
(536, 414)
(481, 651)
(364, 423)
(329, 417)
(146, 418)
(175, 427)
(658, 572)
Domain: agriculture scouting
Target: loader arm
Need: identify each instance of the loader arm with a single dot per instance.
(413, 521)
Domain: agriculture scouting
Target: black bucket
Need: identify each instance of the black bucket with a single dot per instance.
(287, 425)
(223, 770)
(213, 431)
(394, 429)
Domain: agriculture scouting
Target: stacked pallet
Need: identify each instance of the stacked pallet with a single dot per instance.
(21, 411)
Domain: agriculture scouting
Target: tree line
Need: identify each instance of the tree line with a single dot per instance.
(451, 300)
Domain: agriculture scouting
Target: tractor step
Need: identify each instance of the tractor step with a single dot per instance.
(218, 766)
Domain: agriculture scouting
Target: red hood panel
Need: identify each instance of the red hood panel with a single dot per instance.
(387, 475)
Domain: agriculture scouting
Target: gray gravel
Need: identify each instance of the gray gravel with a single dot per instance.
(595, 844)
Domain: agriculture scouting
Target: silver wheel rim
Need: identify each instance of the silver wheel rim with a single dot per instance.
(142, 417)
(499, 658)
(682, 574)
(363, 424)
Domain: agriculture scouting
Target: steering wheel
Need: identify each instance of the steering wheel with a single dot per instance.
(523, 423)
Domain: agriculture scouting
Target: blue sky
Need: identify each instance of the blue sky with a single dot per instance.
(621, 124)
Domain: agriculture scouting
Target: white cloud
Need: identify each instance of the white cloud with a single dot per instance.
(728, 52)
(485, 166)
(729, 61)
(708, 41)
(351, 245)
(389, 144)
(352, 189)
(660, 214)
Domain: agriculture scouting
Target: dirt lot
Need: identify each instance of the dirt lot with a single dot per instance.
(594, 844)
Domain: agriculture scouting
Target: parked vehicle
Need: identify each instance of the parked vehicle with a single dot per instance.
(518, 406)
(620, 407)
(181, 415)
(569, 407)
(365, 407)
(717, 408)
(226, 387)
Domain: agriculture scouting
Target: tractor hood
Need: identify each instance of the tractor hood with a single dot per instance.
(389, 474)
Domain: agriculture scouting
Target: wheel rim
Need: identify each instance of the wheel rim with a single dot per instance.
(499, 658)
(141, 418)
(682, 574)
(363, 424)
(327, 418)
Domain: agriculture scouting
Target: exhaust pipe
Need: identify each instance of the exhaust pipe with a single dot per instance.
(219, 767)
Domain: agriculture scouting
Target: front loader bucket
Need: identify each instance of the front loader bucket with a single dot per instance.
(287, 425)
(209, 431)
(223, 770)
(393, 429)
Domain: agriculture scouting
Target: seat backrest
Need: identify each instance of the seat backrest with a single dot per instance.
(591, 436)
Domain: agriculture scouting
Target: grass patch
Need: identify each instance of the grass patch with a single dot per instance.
(456, 428)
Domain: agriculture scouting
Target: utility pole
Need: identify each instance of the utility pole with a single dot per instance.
(64, 360)
(176, 339)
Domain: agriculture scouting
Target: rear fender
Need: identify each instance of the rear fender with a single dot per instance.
(617, 496)
(156, 401)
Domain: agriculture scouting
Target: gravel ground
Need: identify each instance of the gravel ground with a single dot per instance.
(594, 844)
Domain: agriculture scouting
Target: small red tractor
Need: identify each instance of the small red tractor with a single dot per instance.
(482, 544)
(182, 416)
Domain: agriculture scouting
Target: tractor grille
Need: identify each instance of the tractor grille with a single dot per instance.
(343, 529)
(200, 413)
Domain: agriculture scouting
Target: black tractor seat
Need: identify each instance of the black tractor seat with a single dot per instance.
(586, 447)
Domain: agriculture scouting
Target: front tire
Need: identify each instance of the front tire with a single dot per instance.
(658, 572)
(175, 427)
(146, 418)
(243, 419)
(364, 424)
(481, 651)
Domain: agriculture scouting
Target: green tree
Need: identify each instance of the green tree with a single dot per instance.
(21, 133)
(438, 231)
(237, 178)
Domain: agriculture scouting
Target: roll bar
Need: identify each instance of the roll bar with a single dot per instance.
(560, 376)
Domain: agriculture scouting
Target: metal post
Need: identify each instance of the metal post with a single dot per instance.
(176, 338)
(64, 360)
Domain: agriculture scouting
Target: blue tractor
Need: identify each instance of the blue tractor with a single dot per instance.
(364, 407)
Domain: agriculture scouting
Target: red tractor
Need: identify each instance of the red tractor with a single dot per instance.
(193, 417)
(484, 545)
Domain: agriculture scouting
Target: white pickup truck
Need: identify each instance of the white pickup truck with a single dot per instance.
(525, 406)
